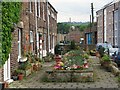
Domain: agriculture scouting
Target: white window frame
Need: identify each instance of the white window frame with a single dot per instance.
(19, 44)
(31, 36)
(30, 6)
(43, 11)
(45, 41)
(39, 8)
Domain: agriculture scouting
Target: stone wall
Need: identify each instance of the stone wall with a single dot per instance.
(70, 75)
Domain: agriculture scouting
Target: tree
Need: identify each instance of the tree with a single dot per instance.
(72, 45)
(10, 15)
(63, 28)
(81, 27)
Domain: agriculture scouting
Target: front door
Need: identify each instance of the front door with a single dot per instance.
(7, 70)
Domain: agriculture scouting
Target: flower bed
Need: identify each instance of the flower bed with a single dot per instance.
(72, 68)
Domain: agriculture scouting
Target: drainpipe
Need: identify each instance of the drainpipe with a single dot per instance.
(36, 27)
(48, 28)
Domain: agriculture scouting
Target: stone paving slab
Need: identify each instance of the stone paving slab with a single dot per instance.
(103, 79)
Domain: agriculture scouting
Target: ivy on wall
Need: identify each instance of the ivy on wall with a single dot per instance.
(10, 15)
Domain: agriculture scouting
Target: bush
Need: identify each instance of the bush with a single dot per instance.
(86, 56)
(101, 51)
(57, 49)
(72, 45)
(49, 57)
(106, 58)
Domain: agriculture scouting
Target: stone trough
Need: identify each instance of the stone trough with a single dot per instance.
(85, 75)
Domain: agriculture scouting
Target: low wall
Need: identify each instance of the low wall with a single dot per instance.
(70, 75)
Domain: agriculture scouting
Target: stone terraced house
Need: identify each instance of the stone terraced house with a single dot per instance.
(36, 32)
(108, 25)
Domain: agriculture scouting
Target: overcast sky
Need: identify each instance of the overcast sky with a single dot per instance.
(77, 10)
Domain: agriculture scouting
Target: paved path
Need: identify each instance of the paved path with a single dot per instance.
(103, 79)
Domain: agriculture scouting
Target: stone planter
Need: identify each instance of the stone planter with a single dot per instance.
(70, 75)
(106, 64)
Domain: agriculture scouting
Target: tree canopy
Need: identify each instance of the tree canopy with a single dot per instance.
(64, 28)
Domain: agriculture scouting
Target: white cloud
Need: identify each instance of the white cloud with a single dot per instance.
(78, 10)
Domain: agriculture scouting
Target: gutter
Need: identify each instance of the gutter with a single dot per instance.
(48, 28)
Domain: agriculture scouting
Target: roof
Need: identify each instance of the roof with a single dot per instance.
(109, 4)
(52, 7)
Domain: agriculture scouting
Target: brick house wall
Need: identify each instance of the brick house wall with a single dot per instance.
(100, 26)
(29, 24)
(74, 35)
(14, 51)
(28, 19)
(107, 25)
(109, 22)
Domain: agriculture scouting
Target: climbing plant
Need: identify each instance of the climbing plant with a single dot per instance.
(10, 15)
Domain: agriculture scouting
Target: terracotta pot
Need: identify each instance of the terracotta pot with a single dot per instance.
(20, 76)
(6, 85)
(106, 64)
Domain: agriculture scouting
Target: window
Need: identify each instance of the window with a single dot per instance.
(31, 41)
(19, 43)
(31, 36)
(39, 8)
(31, 6)
(43, 12)
(44, 41)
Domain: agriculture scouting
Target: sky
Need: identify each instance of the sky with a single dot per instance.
(77, 10)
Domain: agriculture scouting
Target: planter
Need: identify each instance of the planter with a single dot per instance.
(20, 76)
(106, 64)
(6, 85)
(70, 75)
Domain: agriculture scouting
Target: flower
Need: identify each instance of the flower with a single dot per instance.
(74, 66)
(56, 67)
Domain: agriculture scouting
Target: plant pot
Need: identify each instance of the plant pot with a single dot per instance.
(20, 76)
(6, 85)
(106, 64)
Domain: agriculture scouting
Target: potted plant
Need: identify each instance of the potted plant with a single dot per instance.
(105, 61)
(20, 74)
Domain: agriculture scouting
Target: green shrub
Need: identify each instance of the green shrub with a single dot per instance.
(86, 56)
(72, 45)
(101, 51)
(57, 49)
(106, 58)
